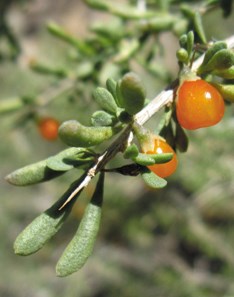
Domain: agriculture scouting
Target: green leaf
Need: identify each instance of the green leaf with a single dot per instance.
(105, 99)
(221, 60)
(59, 32)
(46, 225)
(159, 23)
(101, 118)
(75, 134)
(183, 41)
(84, 69)
(151, 159)
(111, 86)
(180, 27)
(81, 246)
(121, 10)
(182, 55)
(227, 91)
(45, 69)
(11, 105)
(190, 43)
(144, 159)
(224, 73)
(217, 46)
(114, 31)
(153, 180)
(131, 93)
(32, 174)
(161, 158)
(45, 170)
(131, 151)
(67, 159)
(199, 27)
(127, 49)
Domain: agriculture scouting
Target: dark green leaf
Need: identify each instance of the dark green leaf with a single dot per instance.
(217, 46)
(131, 93)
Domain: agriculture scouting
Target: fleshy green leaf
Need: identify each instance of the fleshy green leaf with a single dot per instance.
(190, 42)
(127, 49)
(45, 226)
(153, 180)
(105, 99)
(224, 73)
(63, 160)
(143, 159)
(44, 170)
(158, 23)
(75, 134)
(223, 59)
(131, 151)
(183, 41)
(217, 46)
(101, 118)
(131, 93)
(32, 174)
(111, 86)
(81, 246)
(59, 32)
(151, 159)
(227, 91)
(182, 55)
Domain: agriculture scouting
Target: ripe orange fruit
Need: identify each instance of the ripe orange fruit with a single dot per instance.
(48, 128)
(198, 104)
(164, 169)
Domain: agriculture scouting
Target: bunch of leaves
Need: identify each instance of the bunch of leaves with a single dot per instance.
(123, 106)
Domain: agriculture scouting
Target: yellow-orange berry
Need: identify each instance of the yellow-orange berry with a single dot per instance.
(164, 169)
(198, 104)
(48, 128)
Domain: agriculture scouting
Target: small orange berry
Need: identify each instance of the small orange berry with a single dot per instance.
(198, 104)
(48, 128)
(164, 169)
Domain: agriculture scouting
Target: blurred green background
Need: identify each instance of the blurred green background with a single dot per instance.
(175, 242)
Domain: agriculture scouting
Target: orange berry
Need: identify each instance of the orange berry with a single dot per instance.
(48, 128)
(164, 169)
(198, 104)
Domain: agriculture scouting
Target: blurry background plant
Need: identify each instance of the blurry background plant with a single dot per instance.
(172, 242)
